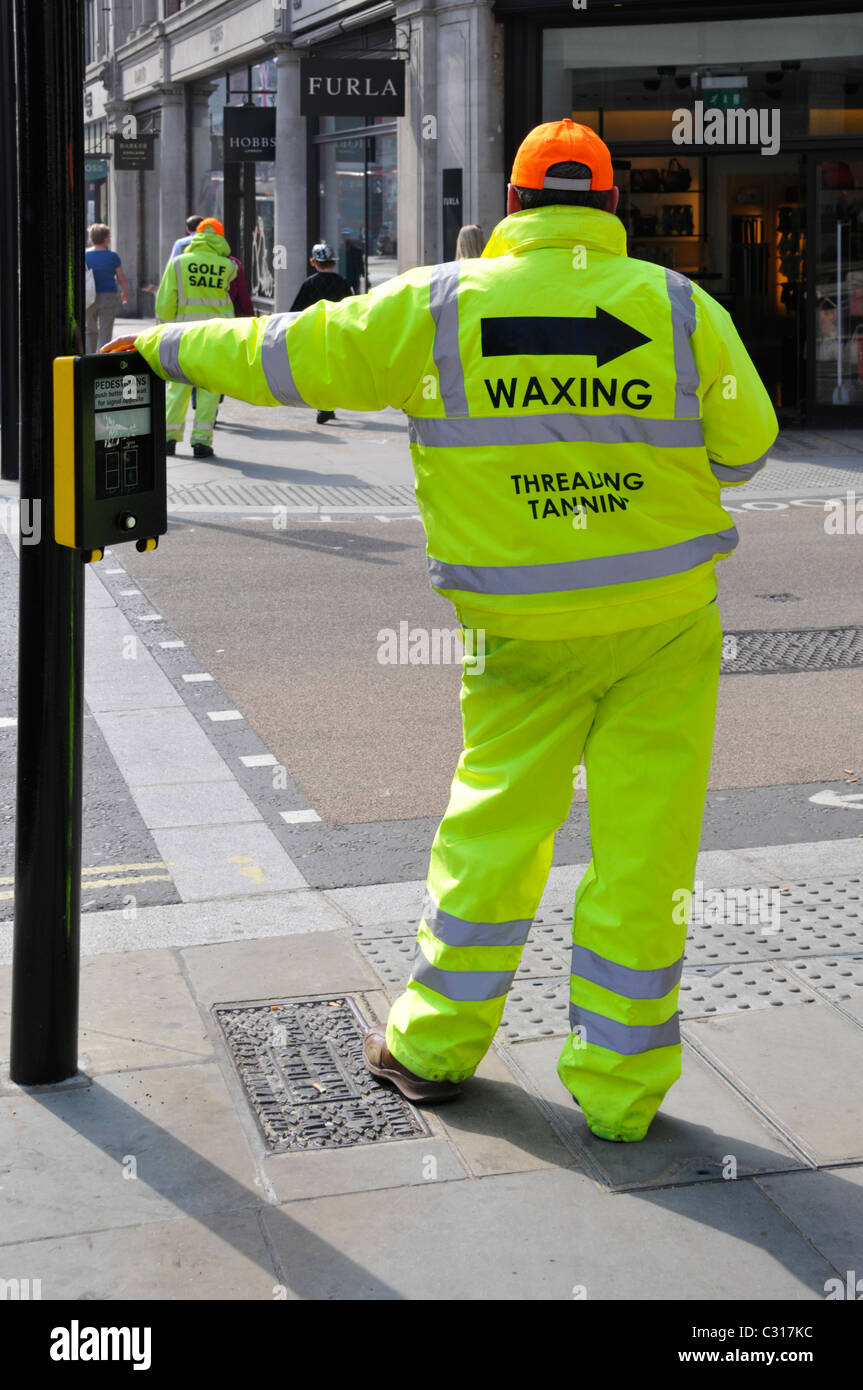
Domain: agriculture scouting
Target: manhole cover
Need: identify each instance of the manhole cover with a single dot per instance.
(807, 649)
(301, 1063)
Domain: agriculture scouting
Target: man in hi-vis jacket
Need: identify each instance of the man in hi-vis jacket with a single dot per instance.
(573, 415)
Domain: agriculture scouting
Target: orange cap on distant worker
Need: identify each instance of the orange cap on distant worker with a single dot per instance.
(212, 222)
(559, 142)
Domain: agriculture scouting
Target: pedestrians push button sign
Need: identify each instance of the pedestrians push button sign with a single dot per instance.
(109, 453)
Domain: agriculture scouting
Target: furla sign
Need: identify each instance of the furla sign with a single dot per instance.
(344, 87)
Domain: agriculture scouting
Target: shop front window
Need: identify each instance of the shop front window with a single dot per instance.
(242, 193)
(357, 198)
(839, 281)
(716, 137)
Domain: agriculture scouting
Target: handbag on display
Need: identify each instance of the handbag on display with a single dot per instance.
(837, 175)
(644, 180)
(674, 178)
(645, 224)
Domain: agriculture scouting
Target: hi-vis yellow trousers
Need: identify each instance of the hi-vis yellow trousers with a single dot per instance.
(640, 706)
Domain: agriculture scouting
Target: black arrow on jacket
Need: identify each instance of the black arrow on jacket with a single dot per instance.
(604, 337)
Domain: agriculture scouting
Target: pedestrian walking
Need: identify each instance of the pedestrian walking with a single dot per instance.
(193, 222)
(470, 242)
(323, 283)
(196, 286)
(108, 274)
(238, 288)
(574, 415)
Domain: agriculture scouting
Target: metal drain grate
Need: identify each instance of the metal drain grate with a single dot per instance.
(292, 495)
(301, 1064)
(808, 649)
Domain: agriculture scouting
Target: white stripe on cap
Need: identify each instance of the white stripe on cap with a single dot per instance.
(567, 185)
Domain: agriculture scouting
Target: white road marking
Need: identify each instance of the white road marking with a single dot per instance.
(128, 593)
(198, 676)
(293, 817)
(845, 801)
(118, 571)
(7, 722)
(151, 618)
(219, 715)
(172, 644)
(259, 760)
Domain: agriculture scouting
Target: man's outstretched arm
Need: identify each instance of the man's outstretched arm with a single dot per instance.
(363, 353)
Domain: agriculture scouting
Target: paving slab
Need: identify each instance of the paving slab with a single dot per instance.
(193, 924)
(802, 1065)
(135, 1011)
(548, 1235)
(118, 674)
(195, 803)
(285, 968)
(73, 1145)
(827, 1208)
(366, 1168)
(222, 861)
(702, 1124)
(215, 1257)
(813, 859)
(497, 1127)
(161, 746)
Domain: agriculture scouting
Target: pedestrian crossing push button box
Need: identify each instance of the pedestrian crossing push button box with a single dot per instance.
(109, 453)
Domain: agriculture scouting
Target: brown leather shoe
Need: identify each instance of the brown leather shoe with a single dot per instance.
(382, 1063)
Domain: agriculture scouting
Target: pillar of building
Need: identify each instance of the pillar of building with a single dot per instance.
(470, 99)
(123, 204)
(290, 252)
(171, 163)
(453, 120)
(201, 143)
(418, 235)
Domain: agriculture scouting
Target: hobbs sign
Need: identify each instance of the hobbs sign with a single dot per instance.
(342, 87)
(250, 133)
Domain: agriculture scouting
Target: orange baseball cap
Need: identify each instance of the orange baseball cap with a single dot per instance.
(211, 222)
(558, 142)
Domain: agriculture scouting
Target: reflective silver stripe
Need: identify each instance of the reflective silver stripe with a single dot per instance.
(682, 327)
(443, 302)
(274, 360)
(582, 574)
(464, 986)
(222, 310)
(169, 352)
(625, 1038)
(624, 979)
(181, 298)
(738, 473)
(455, 931)
(497, 431)
(575, 185)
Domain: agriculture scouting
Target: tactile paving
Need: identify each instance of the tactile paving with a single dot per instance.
(729, 989)
(736, 963)
(785, 650)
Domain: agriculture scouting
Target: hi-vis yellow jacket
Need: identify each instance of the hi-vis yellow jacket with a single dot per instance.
(195, 284)
(573, 415)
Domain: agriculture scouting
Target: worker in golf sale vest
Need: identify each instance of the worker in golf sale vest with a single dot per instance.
(572, 415)
(195, 287)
